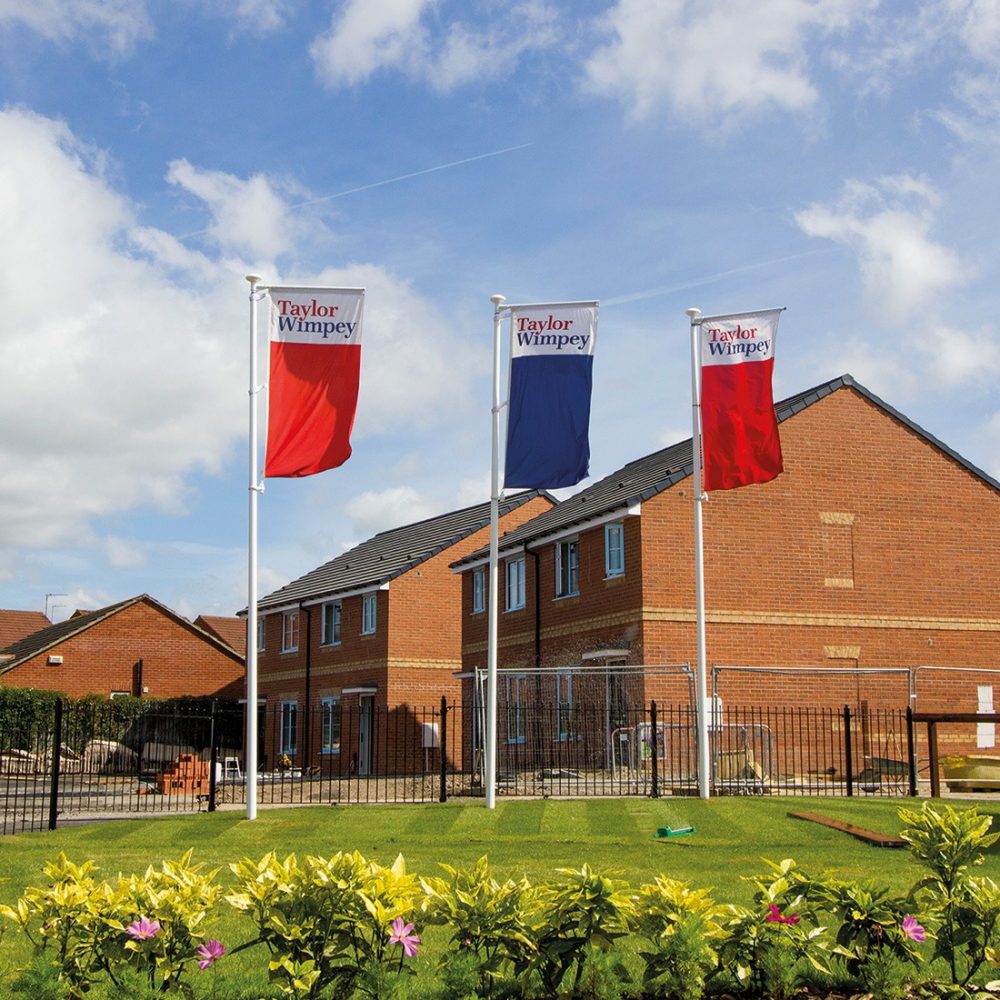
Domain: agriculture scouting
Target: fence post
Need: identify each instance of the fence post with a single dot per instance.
(56, 759)
(848, 751)
(213, 760)
(443, 749)
(655, 765)
(911, 752)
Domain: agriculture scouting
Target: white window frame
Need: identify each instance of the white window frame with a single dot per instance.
(330, 710)
(290, 631)
(261, 632)
(517, 728)
(564, 706)
(369, 613)
(568, 567)
(289, 726)
(614, 549)
(515, 583)
(478, 590)
(333, 616)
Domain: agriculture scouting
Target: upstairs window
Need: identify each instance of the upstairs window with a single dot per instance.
(331, 624)
(290, 632)
(478, 590)
(614, 549)
(369, 609)
(260, 635)
(567, 568)
(515, 583)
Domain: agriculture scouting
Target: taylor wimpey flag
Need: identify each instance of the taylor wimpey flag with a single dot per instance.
(548, 414)
(315, 362)
(739, 427)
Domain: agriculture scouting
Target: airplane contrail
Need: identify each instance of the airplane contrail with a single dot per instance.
(390, 180)
(650, 293)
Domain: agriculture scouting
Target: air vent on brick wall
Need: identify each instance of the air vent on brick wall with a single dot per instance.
(55, 661)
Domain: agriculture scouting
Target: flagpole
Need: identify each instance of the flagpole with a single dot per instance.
(250, 762)
(701, 672)
(490, 775)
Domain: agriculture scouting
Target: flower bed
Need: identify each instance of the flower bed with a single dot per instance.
(345, 926)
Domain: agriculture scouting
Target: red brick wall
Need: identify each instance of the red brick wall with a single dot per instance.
(176, 660)
(873, 550)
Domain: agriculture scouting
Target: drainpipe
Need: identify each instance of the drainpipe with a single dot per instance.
(539, 749)
(307, 714)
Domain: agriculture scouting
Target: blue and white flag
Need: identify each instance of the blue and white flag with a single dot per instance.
(551, 375)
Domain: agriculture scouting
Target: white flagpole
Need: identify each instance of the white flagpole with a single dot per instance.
(701, 672)
(490, 769)
(250, 762)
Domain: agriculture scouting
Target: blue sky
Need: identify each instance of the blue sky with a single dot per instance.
(837, 157)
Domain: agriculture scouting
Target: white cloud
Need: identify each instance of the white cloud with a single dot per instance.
(116, 24)
(887, 225)
(713, 58)
(249, 217)
(121, 553)
(366, 36)
(372, 512)
(119, 382)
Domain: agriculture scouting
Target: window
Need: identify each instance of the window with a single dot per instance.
(614, 550)
(289, 726)
(330, 725)
(567, 568)
(331, 624)
(260, 634)
(290, 632)
(368, 609)
(517, 728)
(515, 583)
(479, 589)
(564, 705)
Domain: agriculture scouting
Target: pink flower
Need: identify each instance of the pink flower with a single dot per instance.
(143, 929)
(913, 930)
(401, 934)
(774, 916)
(209, 953)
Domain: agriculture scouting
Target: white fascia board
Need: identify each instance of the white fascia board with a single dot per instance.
(343, 595)
(615, 515)
(594, 522)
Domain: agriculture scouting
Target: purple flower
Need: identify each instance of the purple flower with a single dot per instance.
(913, 930)
(143, 929)
(209, 953)
(774, 916)
(402, 934)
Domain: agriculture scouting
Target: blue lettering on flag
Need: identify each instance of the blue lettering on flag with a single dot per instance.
(548, 421)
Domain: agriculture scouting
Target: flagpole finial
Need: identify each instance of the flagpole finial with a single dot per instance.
(498, 300)
(254, 279)
(694, 313)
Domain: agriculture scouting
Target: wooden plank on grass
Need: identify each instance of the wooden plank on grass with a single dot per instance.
(869, 836)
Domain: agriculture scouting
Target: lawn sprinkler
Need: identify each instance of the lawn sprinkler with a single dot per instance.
(678, 831)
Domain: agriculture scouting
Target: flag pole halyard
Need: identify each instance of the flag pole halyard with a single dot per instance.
(701, 672)
(490, 768)
(250, 761)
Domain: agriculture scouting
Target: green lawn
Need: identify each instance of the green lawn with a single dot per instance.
(530, 837)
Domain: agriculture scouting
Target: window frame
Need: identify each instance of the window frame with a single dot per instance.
(516, 566)
(565, 717)
(290, 632)
(335, 611)
(479, 590)
(567, 566)
(331, 713)
(261, 633)
(515, 704)
(615, 529)
(289, 726)
(369, 613)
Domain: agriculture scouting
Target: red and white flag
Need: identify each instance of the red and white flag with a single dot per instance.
(739, 427)
(315, 363)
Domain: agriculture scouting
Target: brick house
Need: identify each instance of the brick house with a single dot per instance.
(230, 629)
(16, 625)
(136, 647)
(369, 636)
(865, 574)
